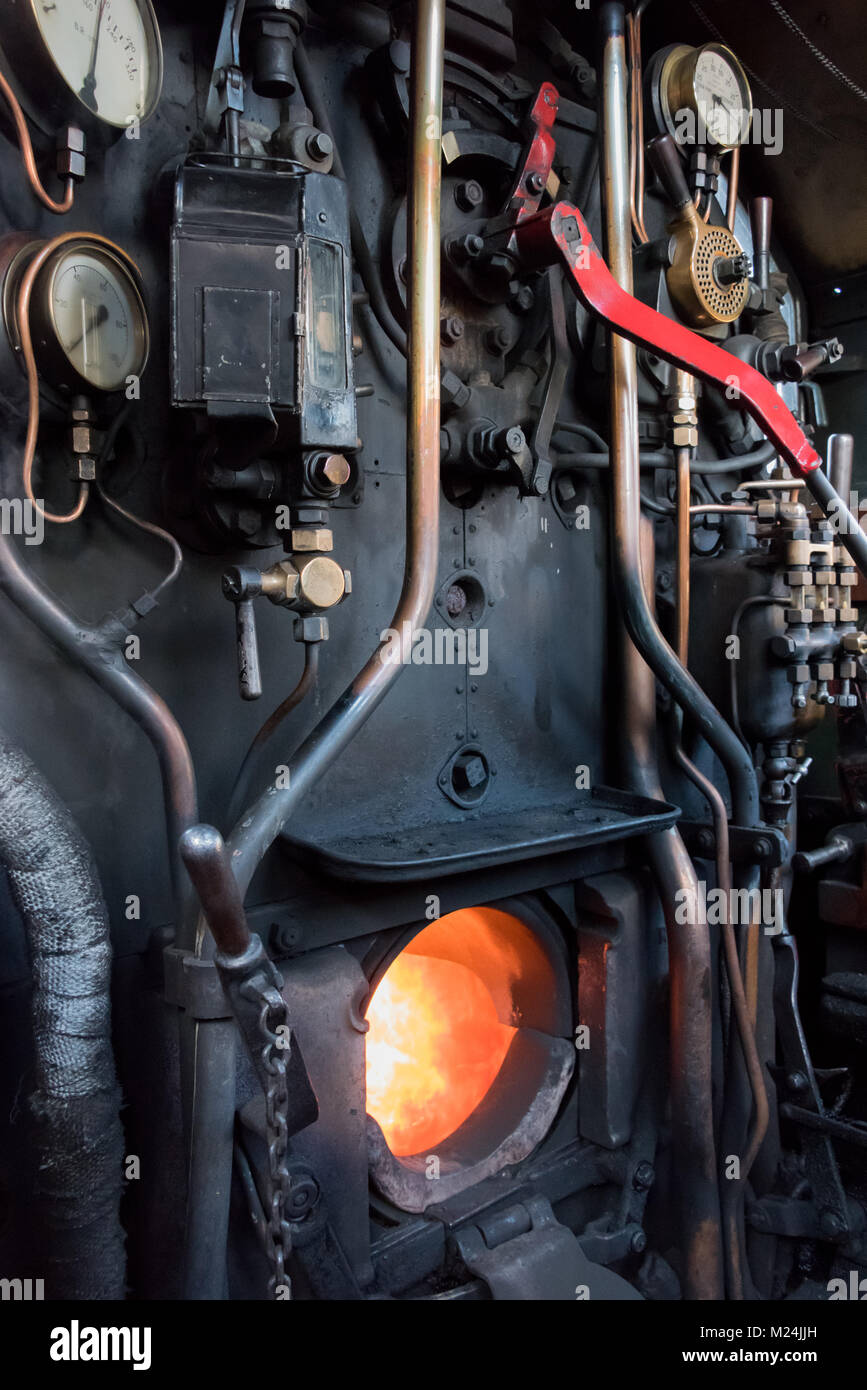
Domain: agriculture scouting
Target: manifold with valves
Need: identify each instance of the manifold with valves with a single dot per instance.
(470, 969)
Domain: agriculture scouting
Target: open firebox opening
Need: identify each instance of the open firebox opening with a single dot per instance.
(459, 1050)
(434, 1048)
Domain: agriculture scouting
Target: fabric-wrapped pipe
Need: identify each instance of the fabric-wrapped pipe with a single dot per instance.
(74, 1104)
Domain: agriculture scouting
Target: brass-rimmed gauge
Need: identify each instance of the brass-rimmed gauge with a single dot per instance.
(88, 321)
(701, 95)
(95, 63)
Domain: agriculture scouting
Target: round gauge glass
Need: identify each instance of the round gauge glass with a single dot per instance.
(107, 51)
(98, 317)
(722, 96)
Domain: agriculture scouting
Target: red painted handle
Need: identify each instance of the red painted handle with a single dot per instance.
(560, 232)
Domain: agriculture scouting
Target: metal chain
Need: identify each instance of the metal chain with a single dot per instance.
(274, 1055)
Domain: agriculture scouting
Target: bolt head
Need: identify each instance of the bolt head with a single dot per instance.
(320, 146)
(336, 470)
(469, 194)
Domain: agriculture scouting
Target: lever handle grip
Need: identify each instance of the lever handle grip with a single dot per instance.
(209, 866)
(663, 154)
(760, 221)
(249, 674)
(841, 457)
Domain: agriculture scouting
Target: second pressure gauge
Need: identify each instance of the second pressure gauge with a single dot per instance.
(97, 63)
(87, 315)
(701, 95)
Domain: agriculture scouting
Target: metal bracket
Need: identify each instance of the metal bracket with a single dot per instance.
(192, 984)
(763, 845)
(525, 1253)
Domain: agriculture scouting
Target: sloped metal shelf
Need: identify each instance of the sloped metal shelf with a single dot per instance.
(478, 842)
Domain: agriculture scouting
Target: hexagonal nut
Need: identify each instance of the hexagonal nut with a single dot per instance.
(797, 617)
(847, 578)
(824, 671)
(784, 647)
(847, 669)
(85, 468)
(81, 439)
(313, 628)
(766, 509)
(280, 582)
(309, 538)
(855, 642)
(824, 577)
(453, 390)
(684, 437)
(321, 582)
(847, 615)
(682, 405)
(797, 675)
(794, 578)
(71, 149)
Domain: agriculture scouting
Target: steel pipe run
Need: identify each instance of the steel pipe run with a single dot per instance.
(211, 1050)
(98, 651)
(689, 951)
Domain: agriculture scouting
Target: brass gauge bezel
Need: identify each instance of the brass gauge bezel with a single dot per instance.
(53, 362)
(674, 83)
(44, 93)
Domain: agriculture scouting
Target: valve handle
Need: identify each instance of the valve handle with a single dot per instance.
(663, 154)
(241, 585)
(760, 220)
(249, 673)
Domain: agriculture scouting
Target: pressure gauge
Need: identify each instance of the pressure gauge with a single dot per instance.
(87, 316)
(701, 95)
(97, 63)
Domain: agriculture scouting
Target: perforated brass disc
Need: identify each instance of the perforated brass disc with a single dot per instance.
(723, 303)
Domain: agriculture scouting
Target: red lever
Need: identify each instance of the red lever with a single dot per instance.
(533, 178)
(560, 233)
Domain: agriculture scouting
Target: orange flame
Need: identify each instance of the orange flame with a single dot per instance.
(434, 1047)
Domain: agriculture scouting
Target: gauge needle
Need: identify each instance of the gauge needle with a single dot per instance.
(99, 318)
(88, 86)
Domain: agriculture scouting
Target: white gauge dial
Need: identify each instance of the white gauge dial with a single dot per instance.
(107, 51)
(98, 318)
(719, 99)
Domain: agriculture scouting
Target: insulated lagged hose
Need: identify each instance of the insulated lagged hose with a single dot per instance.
(73, 1100)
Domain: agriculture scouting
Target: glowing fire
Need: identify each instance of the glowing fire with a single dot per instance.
(434, 1047)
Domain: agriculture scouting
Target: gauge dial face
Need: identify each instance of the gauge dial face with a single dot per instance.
(718, 86)
(108, 53)
(98, 318)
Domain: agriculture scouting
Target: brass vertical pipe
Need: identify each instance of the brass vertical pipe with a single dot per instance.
(681, 463)
(689, 950)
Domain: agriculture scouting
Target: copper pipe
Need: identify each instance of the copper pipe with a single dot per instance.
(725, 508)
(732, 191)
(636, 127)
(684, 532)
(29, 159)
(689, 951)
(306, 683)
(744, 1009)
